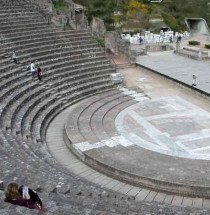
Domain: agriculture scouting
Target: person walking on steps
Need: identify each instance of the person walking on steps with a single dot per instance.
(23, 196)
(194, 80)
(39, 73)
(14, 57)
(33, 69)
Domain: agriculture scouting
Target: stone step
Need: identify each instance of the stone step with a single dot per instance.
(63, 72)
(33, 49)
(20, 20)
(33, 39)
(85, 125)
(47, 33)
(24, 26)
(82, 84)
(7, 80)
(15, 15)
(23, 122)
(60, 54)
(11, 150)
(35, 46)
(72, 127)
(17, 34)
(72, 98)
(108, 120)
(42, 30)
(21, 103)
(96, 121)
(55, 68)
(6, 93)
(9, 31)
(71, 60)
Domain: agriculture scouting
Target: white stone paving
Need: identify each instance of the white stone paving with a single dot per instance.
(179, 68)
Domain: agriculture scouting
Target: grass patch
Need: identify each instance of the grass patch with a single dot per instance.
(101, 42)
(62, 6)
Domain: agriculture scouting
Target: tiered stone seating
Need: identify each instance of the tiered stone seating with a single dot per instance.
(74, 68)
(93, 123)
(24, 102)
(64, 58)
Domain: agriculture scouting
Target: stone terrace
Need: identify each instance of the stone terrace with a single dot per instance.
(74, 68)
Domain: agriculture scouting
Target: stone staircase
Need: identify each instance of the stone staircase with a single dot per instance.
(74, 67)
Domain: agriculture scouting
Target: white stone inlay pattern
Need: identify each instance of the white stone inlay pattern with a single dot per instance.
(112, 142)
(168, 125)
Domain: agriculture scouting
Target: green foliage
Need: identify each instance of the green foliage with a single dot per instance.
(170, 21)
(61, 5)
(194, 43)
(207, 46)
(116, 11)
(101, 42)
(180, 9)
(110, 28)
(100, 8)
(109, 20)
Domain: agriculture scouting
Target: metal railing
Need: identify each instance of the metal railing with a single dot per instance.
(111, 60)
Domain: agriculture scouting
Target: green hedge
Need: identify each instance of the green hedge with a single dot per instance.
(194, 43)
(207, 46)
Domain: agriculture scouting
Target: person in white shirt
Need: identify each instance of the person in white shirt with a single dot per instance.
(194, 80)
(14, 57)
(33, 69)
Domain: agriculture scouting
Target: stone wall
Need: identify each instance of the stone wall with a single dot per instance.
(158, 47)
(134, 54)
(111, 42)
(98, 28)
(116, 45)
(123, 48)
(74, 17)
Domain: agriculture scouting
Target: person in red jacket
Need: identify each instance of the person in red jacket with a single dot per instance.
(14, 197)
(39, 73)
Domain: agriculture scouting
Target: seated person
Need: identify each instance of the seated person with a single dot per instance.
(21, 196)
(14, 57)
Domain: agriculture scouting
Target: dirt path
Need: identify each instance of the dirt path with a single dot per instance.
(156, 86)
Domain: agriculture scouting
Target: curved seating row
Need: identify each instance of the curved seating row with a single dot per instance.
(74, 68)
(26, 104)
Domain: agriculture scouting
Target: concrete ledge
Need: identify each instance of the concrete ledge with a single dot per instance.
(137, 180)
(201, 92)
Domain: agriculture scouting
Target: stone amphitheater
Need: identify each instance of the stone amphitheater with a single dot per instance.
(76, 81)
